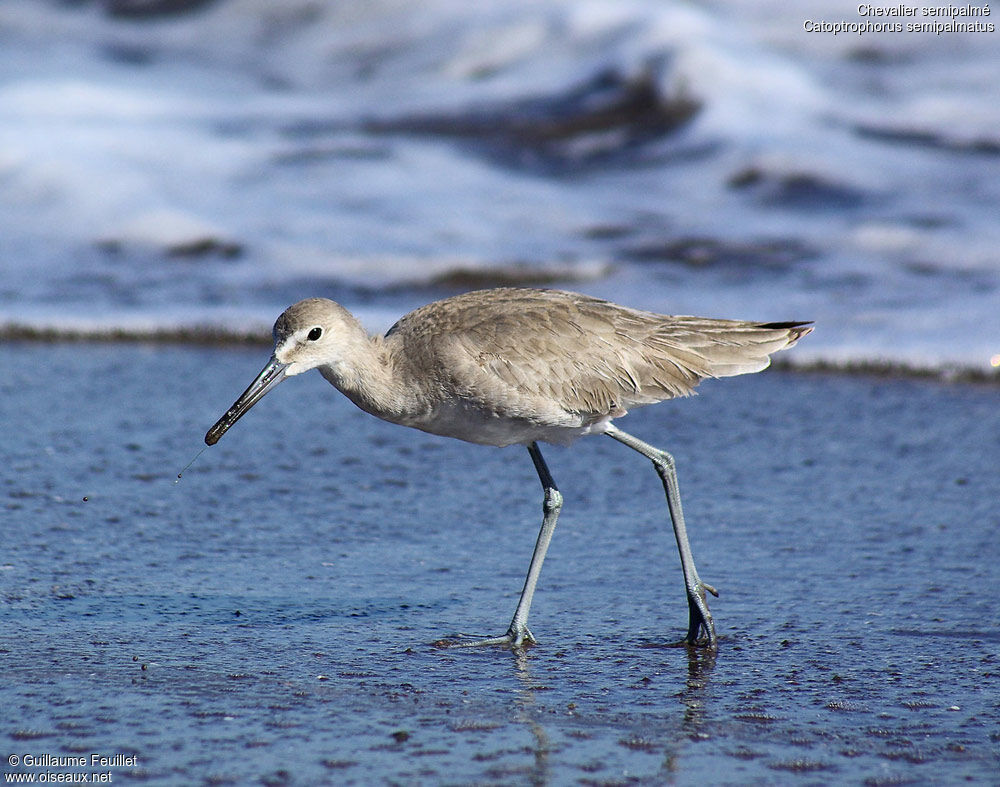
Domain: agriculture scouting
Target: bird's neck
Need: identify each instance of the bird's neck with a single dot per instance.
(367, 375)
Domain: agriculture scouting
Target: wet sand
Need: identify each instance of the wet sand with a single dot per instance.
(269, 619)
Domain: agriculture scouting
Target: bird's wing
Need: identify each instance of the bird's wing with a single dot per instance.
(525, 349)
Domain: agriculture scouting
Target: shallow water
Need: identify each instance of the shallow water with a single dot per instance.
(270, 617)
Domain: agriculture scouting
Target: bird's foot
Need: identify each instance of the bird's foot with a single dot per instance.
(700, 619)
(515, 639)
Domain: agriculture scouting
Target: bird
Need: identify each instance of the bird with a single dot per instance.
(516, 365)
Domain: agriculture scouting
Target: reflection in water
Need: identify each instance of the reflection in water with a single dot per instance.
(528, 714)
(701, 662)
(693, 722)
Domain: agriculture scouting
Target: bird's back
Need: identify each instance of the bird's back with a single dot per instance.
(549, 365)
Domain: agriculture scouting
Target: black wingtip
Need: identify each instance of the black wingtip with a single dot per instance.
(786, 325)
(796, 330)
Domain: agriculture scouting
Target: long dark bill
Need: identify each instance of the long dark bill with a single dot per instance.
(270, 376)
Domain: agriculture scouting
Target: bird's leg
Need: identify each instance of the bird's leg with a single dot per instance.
(551, 506)
(700, 619)
(518, 634)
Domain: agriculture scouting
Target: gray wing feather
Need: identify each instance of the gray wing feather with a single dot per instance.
(533, 350)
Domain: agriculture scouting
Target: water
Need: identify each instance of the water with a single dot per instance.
(200, 170)
(270, 618)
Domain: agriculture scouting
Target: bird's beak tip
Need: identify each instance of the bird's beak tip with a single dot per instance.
(270, 376)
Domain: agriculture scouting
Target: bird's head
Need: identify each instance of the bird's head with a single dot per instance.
(309, 334)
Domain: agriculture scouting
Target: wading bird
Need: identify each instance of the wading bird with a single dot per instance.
(511, 365)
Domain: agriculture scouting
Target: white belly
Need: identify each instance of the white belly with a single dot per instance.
(475, 425)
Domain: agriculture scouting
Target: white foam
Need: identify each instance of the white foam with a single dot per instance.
(243, 125)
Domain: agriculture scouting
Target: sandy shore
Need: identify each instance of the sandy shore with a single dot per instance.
(269, 618)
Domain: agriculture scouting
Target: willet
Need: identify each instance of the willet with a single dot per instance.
(506, 366)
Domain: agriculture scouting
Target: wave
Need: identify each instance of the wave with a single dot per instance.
(609, 118)
(171, 163)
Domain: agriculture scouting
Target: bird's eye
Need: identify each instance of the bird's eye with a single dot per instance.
(315, 333)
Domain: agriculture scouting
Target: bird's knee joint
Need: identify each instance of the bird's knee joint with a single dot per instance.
(665, 461)
(552, 502)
